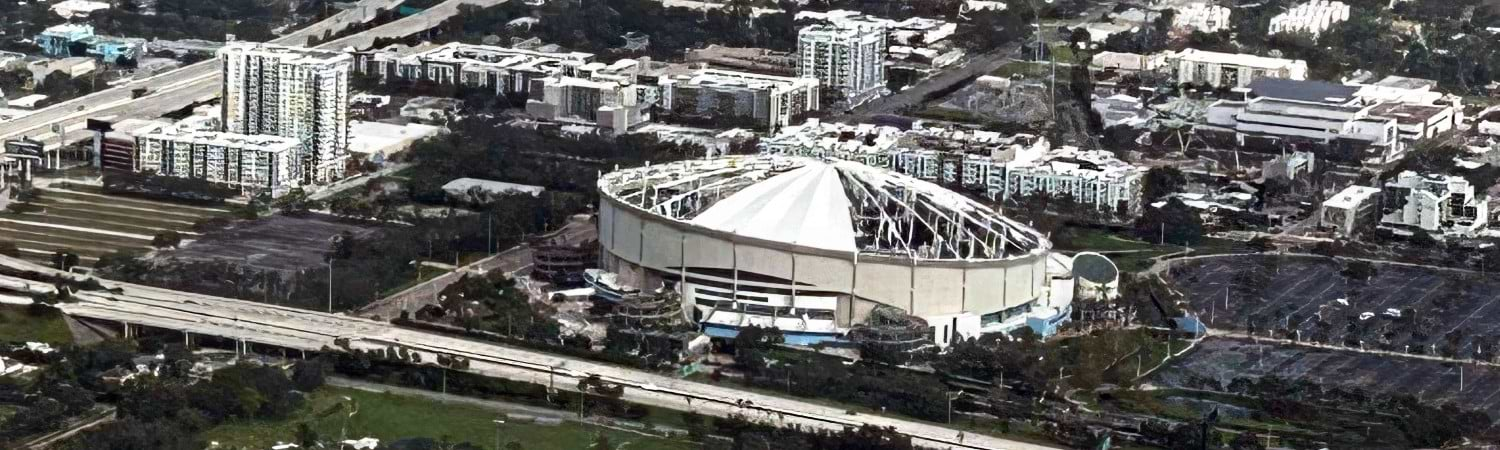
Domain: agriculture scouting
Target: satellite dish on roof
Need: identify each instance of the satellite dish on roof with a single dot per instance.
(1098, 277)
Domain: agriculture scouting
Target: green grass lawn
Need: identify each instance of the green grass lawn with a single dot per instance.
(19, 326)
(1064, 54)
(1095, 240)
(1134, 255)
(389, 417)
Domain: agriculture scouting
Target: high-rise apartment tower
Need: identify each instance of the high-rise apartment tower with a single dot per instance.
(848, 56)
(293, 92)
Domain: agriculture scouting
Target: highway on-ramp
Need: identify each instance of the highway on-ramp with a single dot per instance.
(256, 324)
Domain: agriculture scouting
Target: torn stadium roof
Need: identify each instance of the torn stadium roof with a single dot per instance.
(836, 206)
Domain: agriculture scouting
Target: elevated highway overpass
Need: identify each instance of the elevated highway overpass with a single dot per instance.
(255, 324)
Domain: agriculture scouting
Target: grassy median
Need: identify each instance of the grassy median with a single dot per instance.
(23, 324)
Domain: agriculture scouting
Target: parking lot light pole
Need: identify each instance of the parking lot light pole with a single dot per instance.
(330, 285)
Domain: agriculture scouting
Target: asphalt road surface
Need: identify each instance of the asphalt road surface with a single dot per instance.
(515, 259)
(1297, 292)
(176, 89)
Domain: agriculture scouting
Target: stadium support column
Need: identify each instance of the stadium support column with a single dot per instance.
(794, 280)
(853, 286)
(911, 287)
(734, 264)
(689, 305)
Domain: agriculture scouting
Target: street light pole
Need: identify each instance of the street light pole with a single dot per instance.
(330, 285)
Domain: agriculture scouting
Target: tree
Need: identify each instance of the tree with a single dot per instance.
(1174, 223)
(1261, 244)
(308, 375)
(132, 434)
(165, 239)
(307, 437)
(1162, 181)
(8, 248)
(752, 343)
(1358, 270)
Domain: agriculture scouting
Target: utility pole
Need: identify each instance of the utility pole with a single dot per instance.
(952, 396)
(330, 285)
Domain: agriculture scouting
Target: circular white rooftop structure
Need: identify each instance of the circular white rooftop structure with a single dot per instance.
(835, 206)
(808, 245)
(1097, 275)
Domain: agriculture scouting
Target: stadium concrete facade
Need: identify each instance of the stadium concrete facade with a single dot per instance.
(812, 247)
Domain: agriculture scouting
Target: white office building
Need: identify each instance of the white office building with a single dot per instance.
(1378, 121)
(613, 106)
(1346, 211)
(1435, 203)
(253, 164)
(848, 56)
(1420, 111)
(1313, 17)
(1229, 69)
(1089, 177)
(767, 101)
(291, 92)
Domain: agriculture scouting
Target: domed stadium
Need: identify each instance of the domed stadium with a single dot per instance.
(812, 247)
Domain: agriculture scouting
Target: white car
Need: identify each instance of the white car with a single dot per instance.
(1392, 313)
(1342, 301)
(1366, 315)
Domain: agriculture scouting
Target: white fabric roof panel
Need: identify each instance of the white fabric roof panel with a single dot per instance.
(806, 206)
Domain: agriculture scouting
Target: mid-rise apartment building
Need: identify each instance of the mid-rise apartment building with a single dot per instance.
(970, 159)
(252, 164)
(1205, 17)
(1090, 177)
(848, 56)
(1193, 66)
(291, 92)
(1313, 17)
(725, 97)
(504, 70)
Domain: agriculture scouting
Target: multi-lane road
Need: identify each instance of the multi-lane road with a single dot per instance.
(258, 324)
(173, 90)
